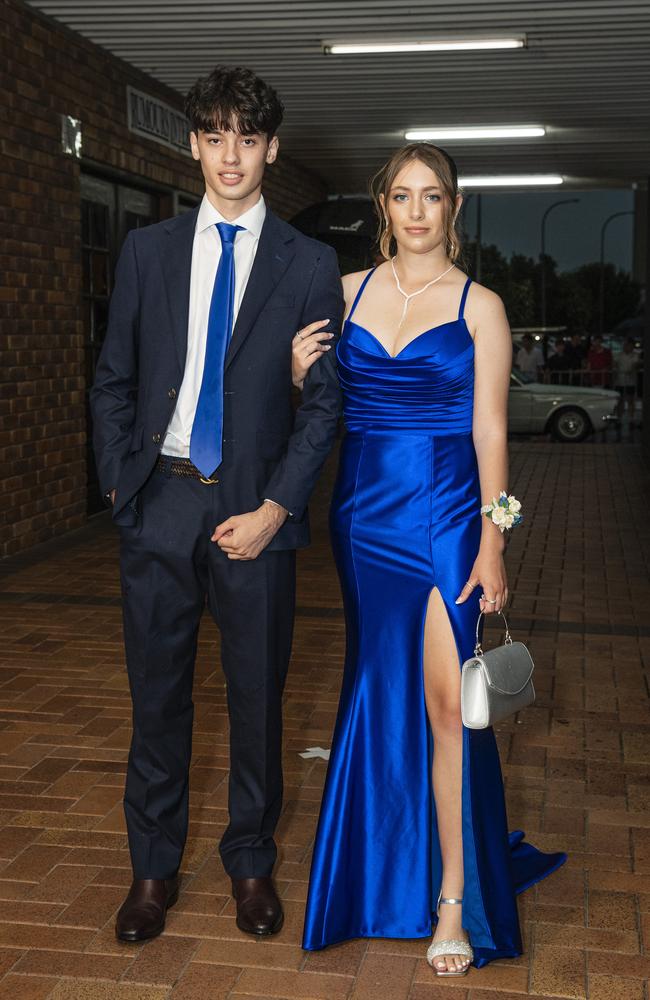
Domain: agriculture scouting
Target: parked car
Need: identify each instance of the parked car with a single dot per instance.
(568, 412)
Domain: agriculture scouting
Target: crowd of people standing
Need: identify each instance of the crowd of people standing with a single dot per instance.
(574, 362)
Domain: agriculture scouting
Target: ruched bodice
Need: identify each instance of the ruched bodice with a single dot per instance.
(428, 385)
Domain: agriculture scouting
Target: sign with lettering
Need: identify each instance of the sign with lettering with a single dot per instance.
(147, 116)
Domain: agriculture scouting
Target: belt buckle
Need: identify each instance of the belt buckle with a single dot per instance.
(208, 481)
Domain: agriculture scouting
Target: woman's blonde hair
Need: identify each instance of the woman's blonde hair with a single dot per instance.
(445, 170)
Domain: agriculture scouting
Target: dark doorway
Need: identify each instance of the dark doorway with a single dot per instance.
(108, 212)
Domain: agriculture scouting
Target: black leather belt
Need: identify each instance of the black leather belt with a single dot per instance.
(171, 466)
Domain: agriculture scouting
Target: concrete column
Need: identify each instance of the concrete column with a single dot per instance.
(645, 433)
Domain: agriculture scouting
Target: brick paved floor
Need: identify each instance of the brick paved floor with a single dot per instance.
(576, 768)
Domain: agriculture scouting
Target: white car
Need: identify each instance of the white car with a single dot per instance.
(569, 412)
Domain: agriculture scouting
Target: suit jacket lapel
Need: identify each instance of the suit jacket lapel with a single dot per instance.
(274, 253)
(176, 253)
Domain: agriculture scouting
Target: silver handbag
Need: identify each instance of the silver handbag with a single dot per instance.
(495, 684)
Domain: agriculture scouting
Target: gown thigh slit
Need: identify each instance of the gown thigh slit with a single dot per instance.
(405, 519)
(435, 846)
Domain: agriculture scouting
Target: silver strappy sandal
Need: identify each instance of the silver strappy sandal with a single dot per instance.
(449, 947)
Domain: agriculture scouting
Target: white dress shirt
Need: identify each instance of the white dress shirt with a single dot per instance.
(529, 362)
(206, 254)
(625, 366)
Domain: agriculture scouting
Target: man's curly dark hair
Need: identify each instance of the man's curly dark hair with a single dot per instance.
(234, 98)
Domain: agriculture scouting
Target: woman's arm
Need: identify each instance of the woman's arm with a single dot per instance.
(312, 341)
(492, 364)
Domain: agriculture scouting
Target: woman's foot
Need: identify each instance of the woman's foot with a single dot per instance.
(449, 929)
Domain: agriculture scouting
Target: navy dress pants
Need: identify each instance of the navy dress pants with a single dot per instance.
(169, 567)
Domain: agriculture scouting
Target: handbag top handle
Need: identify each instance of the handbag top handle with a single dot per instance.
(508, 639)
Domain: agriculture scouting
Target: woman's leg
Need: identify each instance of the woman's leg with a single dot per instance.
(442, 694)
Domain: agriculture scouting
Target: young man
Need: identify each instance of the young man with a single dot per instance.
(599, 363)
(209, 472)
(529, 358)
(559, 363)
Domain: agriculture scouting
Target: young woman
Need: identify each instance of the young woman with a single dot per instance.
(413, 818)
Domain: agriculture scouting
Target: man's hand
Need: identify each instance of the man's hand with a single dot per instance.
(244, 536)
(113, 492)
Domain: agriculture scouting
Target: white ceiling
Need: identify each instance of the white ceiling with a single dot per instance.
(585, 75)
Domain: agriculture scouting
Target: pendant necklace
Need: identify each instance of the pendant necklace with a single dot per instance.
(407, 298)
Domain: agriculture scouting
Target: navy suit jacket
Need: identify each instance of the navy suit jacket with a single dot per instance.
(270, 449)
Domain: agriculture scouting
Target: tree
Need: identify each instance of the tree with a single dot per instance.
(514, 280)
(622, 295)
(572, 297)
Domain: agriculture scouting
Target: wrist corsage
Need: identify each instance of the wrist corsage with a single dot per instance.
(503, 512)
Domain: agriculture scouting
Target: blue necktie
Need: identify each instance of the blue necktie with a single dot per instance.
(207, 429)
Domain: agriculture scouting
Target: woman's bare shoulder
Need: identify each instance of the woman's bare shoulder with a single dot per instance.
(352, 282)
(484, 300)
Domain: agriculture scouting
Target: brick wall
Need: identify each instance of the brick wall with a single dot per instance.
(45, 71)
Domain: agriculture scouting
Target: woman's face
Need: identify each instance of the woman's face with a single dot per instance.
(415, 206)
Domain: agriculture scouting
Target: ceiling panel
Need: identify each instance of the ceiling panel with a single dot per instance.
(585, 75)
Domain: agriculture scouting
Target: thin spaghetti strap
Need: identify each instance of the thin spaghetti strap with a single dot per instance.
(463, 299)
(360, 292)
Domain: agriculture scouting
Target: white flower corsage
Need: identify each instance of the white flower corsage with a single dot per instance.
(503, 512)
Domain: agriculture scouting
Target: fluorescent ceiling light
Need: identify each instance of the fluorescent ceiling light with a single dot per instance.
(468, 44)
(478, 132)
(512, 180)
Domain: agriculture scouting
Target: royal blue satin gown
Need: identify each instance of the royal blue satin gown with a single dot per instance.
(406, 518)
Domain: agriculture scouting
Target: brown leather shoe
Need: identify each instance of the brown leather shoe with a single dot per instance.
(142, 914)
(259, 910)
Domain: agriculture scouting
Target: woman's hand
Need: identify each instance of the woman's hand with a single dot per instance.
(489, 573)
(306, 348)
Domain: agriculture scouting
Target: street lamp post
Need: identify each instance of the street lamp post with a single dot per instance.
(556, 204)
(601, 293)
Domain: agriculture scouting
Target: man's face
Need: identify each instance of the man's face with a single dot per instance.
(233, 167)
